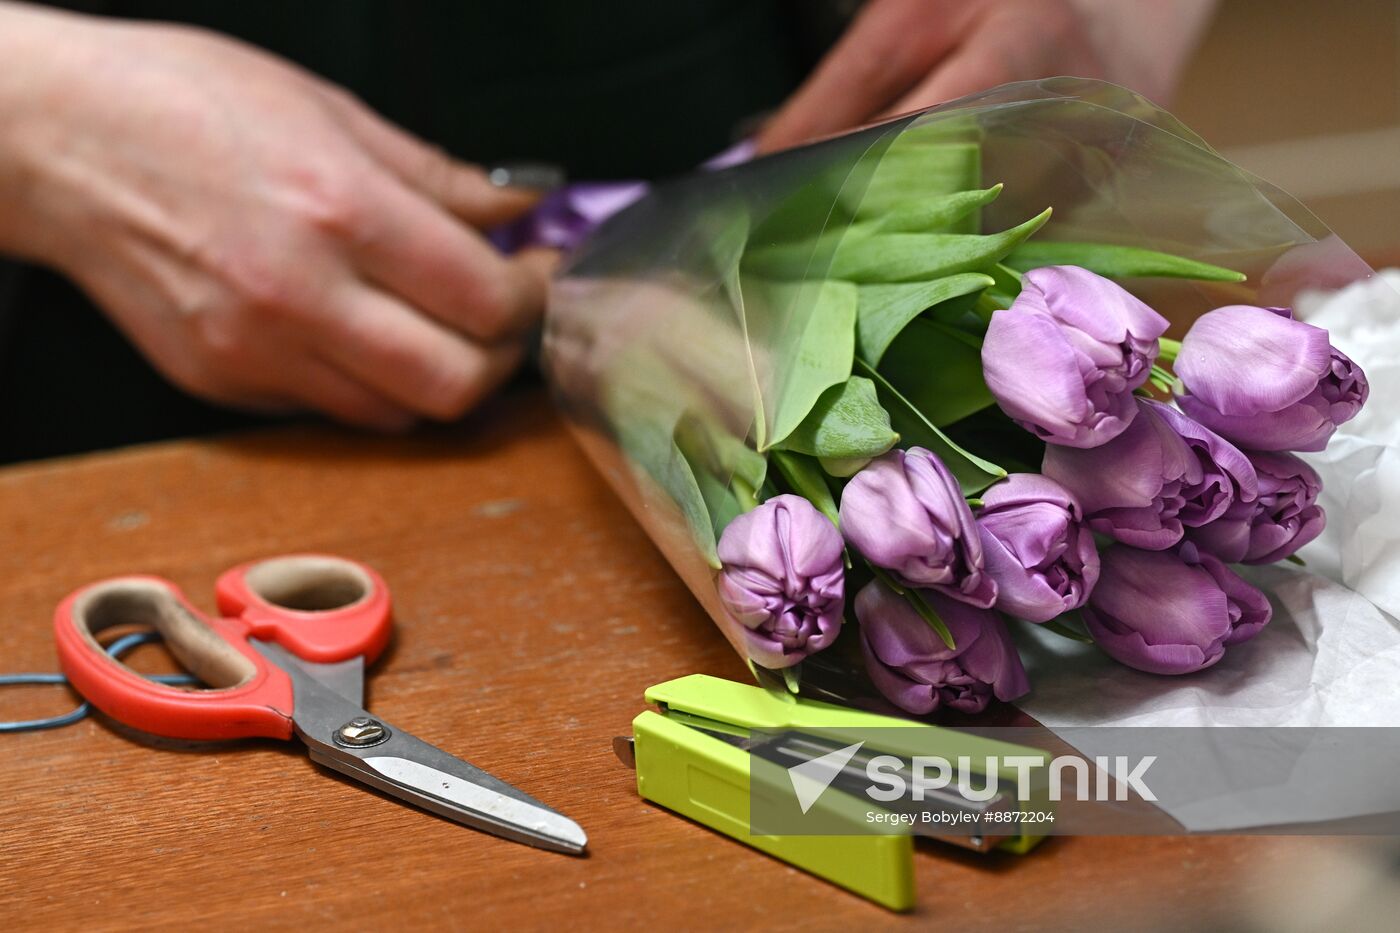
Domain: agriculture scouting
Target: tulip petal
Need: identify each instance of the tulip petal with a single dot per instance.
(782, 580)
(1032, 533)
(1249, 609)
(1099, 307)
(1241, 360)
(915, 670)
(1126, 472)
(1153, 611)
(1304, 425)
(1047, 396)
(1133, 650)
(905, 512)
(1228, 536)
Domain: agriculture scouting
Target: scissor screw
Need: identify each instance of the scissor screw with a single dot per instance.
(362, 732)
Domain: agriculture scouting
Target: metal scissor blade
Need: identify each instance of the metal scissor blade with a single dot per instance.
(346, 678)
(419, 773)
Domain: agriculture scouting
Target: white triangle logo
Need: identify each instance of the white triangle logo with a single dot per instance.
(811, 778)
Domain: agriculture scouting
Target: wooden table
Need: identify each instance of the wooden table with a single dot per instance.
(532, 613)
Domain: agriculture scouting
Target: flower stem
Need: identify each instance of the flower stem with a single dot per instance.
(744, 493)
(1162, 380)
(806, 479)
(985, 307)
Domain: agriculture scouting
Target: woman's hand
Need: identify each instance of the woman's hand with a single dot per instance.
(903, 55)
(262, 237)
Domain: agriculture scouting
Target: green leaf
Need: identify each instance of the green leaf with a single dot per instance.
(938, 213)
(776, 683)
(805, 478)
(904, 257)
(884, 310)
(792, 676)
(803, 259)
(1117, 262)
(930, 615)
(726, 470)
(800, 338)
(972, 472)
(1068, 625)
(1006, 287)
(652, 451)
(843, 466)
(710, 445)
(917, 602)
(912, 169)
(939, 370)
(846, 423)
(959, 312)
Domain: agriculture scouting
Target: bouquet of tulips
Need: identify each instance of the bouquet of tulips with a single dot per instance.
(886, 398)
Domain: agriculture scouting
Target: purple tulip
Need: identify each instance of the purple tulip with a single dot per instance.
(783, 580)
(917, 672)
(905, 512)
(1135, 487)
(1227, 476)
(1281, 520)
(1064, 359)
(1171, 613)
(1266, 381)
(1037, 549)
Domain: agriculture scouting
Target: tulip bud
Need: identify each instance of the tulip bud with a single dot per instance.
(916, 671)
(1266, 381)
(905, 512)
(1134, 487)
(1036, 547)
(1064, 359)
(1171, 613)
(1227, 476)
(783, 580)
(1283, 518)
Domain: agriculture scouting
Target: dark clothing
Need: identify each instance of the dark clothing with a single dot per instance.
(625, 89)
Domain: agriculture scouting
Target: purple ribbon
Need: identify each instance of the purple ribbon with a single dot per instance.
(568, 215)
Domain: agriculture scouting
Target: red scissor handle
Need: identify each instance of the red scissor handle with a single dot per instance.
(318, 607)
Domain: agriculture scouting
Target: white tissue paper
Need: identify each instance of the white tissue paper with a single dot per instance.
(1331, 655)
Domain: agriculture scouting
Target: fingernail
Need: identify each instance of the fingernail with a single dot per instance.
(541, 176)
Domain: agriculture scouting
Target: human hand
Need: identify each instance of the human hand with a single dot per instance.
(903, 55)
(265, 240)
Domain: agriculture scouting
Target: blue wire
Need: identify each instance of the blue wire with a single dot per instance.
(116, 649)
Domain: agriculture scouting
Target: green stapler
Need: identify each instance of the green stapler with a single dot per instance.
(698, 754)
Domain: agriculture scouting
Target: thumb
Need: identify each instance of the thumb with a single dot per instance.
(460, 187)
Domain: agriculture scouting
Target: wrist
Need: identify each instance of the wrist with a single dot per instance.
(46, 55)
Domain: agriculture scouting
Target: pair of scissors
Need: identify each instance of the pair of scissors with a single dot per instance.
(286, 657)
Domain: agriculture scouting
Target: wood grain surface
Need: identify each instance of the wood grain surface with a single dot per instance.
(532, 613)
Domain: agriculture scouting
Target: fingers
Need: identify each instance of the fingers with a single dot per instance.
(324, 388)
(535, 267)
(412, 241)
(463, 189)
(414, 249)
(415, 363)
(975, 67)
(1016, 41)
(886, 50)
